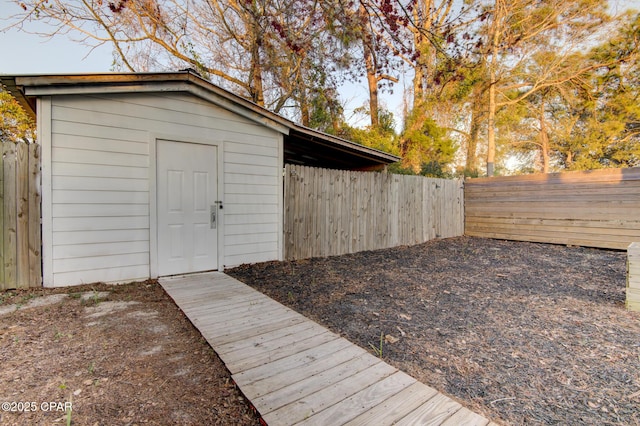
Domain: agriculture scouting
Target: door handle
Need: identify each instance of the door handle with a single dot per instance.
(212, 218)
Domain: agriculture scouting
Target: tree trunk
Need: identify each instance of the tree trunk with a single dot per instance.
(544, 140)
(491, 135)
(471, 163)
(372, 82)
(493, 66)
(256, 90)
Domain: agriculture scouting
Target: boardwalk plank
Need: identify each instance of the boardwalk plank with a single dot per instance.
(274, 368)
(221, 323)
(396, 407)
(281, 352)
(291, 375)
(433, 412)
(267, 337)
(244, 315)
(465, 417)
(361, 401)
(270, 347)
(314, 383)
(221, 338)
(306, 407)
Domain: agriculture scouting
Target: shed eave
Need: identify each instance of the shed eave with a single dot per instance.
(245, 111)
(26, 88)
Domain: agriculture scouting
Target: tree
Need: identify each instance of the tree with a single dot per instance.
(586, 122)
(520, 30)
(15, 125)
(265, 50)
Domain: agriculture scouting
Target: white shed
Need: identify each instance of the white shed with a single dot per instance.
(147, 175)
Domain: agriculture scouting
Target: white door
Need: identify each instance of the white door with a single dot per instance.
(187, 189)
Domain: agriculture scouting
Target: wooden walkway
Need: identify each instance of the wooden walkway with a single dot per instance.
(295, 371)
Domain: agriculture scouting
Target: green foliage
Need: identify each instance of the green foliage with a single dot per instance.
(381, 137)
(15, 124)
(425, 146)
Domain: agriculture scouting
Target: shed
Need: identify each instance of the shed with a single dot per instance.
(155, 174)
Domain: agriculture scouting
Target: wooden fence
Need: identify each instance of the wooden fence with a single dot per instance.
(599, 208)
(333, 212)
(20, 241)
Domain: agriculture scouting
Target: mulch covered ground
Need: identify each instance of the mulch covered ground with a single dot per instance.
(523, 333)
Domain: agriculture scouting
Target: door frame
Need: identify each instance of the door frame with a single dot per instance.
(153, 195)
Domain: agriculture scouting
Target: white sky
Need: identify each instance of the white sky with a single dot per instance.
(23, 53)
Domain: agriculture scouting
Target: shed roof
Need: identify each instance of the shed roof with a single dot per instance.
(302, 145)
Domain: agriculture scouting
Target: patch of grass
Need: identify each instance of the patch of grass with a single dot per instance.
(378, 350)
(92, 367)
(75, 295)
(5, 296)
(26, 298)
(58, 336)
(291, 297)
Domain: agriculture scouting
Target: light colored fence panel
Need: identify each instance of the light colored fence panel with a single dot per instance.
(599, 208)
(333, 212)
(20, 235)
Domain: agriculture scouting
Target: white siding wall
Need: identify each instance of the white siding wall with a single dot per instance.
(101, 186)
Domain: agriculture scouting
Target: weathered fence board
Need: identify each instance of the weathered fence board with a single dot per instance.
(633, 277)
(333, 212)
(597, 208)
(20, 216)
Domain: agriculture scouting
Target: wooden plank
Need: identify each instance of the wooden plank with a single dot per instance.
(307, 385)
(433, 412)
(606, 175)
(633, 277)
(280, 352)
(22, 215)
(235, 314)
(465, 417)
(261, 339)
(396, 407)
(10, 216)
(273, 346)
(304, 408)
(214, 324)
(216, 302)
(289, 375)
(362, 401)
(553, 240)
(292, 362)
(218, 338)
(3, 224)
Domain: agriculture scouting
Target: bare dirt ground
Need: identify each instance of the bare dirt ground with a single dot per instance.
(523, 333)
(116, 355)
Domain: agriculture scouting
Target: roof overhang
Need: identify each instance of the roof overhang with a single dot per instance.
(302, 145)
